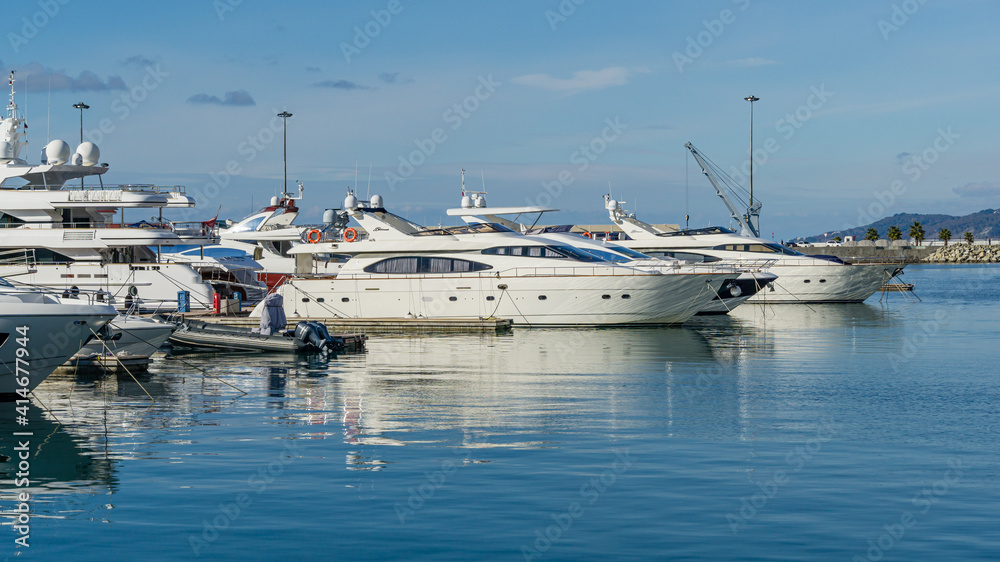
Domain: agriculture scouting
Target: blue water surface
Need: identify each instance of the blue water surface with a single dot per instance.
(791, 432)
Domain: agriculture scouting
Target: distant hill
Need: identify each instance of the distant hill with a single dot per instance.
(984, 224)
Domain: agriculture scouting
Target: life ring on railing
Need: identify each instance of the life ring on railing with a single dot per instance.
(607, 236)
(350, 235)
(587, 234)
(314, 236)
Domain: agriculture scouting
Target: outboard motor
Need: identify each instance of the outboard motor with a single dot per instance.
(315, 337)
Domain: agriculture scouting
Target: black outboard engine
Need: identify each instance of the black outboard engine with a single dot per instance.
(313, 336)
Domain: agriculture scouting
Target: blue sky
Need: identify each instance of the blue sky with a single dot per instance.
(871, 107)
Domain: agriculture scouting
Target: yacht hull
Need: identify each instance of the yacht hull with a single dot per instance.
(55, 332)
(133, 336)
(535, 300)
(832, 283)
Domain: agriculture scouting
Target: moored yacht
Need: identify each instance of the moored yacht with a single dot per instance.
(801, 278)
(750, 280)
(486, 270)
(39, 332)
(64, 236)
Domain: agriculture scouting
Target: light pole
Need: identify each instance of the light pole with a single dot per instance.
(751, 99)
(284, 133)
(81, 106)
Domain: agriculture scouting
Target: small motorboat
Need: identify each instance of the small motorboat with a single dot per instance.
(307, 337)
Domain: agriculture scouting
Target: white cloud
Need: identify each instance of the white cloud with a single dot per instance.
(582, 80)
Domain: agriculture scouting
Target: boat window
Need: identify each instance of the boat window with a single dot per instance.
(556, 252)
(607, 256)
(249, 224)
(478, 228)
(636, 255)
(685, 256)
(421, 264)
(696, 231)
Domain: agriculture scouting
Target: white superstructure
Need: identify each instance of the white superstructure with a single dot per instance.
(487, 270)
(59, 235)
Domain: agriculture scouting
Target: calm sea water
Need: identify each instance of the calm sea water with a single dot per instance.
(791, 432)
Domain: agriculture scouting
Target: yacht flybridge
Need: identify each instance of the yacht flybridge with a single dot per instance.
(752, 277)
(801, 278)
(486, 270)
(71, 238)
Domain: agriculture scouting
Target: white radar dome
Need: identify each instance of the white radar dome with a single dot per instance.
(6, 151)
(377, 202)
(612, 205)
(77, 159)
(274, 201)
(329, 216)
(480, 201)
(350, 202)
(466, 202)
(89, 152)
(57, 152)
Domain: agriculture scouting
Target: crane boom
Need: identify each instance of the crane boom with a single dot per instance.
(749, 221)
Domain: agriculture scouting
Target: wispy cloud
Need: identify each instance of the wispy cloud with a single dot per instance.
(138, 60)
(980, 190)
(581, 80)
(33, 77)
(752, 61)
(341, 85)
(312, 69)
(236, 98)
(394, 78)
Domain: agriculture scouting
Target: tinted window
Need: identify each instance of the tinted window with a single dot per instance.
(420, 264)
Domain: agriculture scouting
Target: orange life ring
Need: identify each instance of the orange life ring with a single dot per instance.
(314, 236)
(587, 234)
(350, 235)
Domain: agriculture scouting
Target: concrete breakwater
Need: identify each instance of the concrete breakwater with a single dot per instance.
(850, 253)
(965, 253)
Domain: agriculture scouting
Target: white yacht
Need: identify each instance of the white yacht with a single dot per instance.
(269, 234)
(130, 335)
(61, 235)
(486, 270)
(750, 280)
(39, 332)
(801, 278)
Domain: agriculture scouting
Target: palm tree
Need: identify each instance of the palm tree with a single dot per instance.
(894, 233)
(836, 238)
(945, 235)
(917, 232)
(872, 234)
(969, 238)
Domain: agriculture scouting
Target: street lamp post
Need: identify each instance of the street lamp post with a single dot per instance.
(284, 133)
(751, 99)
(81, 106)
